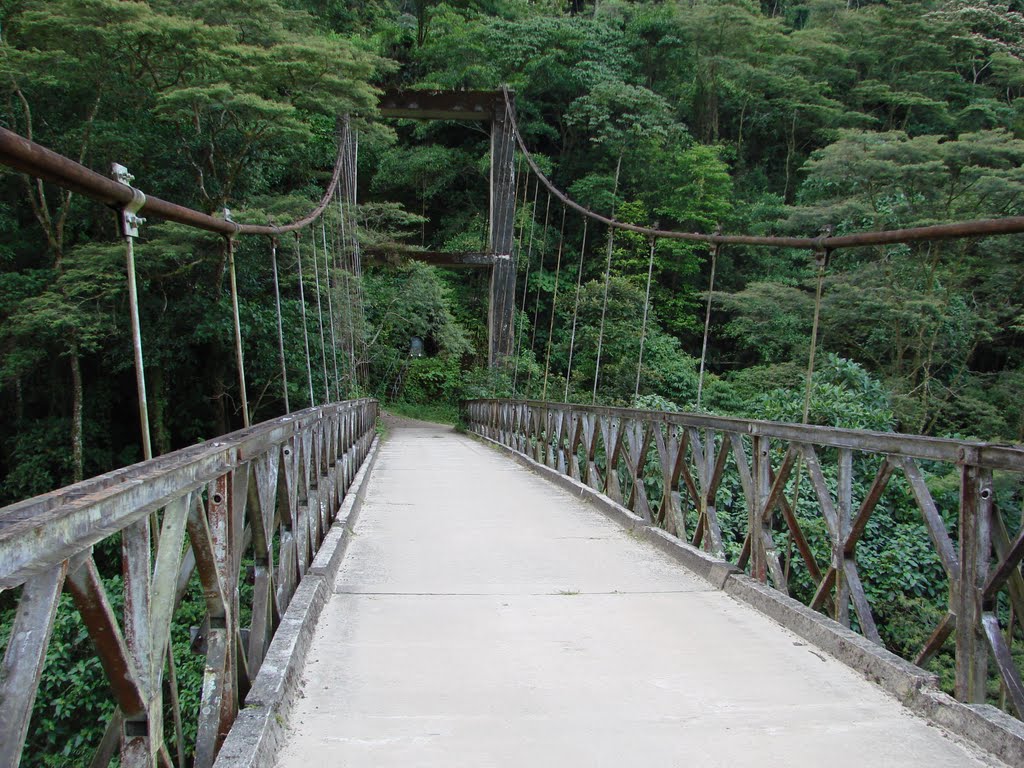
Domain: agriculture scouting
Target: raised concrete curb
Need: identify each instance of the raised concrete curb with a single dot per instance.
(258, 731)
(279, 673)
(988, 728)
(991, 729)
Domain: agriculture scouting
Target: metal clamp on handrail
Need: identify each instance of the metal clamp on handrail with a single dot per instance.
(129, 218)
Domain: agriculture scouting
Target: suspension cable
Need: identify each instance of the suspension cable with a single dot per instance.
(554, 306)
(707, 322)
(520, 177)
(320, 317)
(607, 279)
(240, 359)
(339, 279)
(643, 327)
(36, 160)
(508, 175)
(500, 241)
(541, 252)
(140, 375)
(347, 277)
(26, 156)
(354, 181)
(305, 323)
(821, 259)
(280, 325)
(520, 221)
(330, 307)
(1006, 225)
(518, 230)
(509, 218)
(349, 194)
(822, 262)
(521, 182)
(575, 313)
(353, 280)
(526, 283)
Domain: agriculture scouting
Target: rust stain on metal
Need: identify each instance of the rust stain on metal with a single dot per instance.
(600, 445)
(228, 506)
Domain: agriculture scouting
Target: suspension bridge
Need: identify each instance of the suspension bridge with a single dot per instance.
(553, 587)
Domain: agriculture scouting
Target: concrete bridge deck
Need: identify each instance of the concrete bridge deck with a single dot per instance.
(484, 617)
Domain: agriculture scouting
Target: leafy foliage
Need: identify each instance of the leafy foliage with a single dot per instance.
(767, 118)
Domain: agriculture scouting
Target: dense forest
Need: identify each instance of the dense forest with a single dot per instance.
(784, 117)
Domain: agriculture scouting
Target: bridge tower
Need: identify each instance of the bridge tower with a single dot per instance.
(480, 106)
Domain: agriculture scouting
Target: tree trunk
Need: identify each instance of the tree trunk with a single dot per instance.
(77, 457)
(790, 151)
(158, 405)
(221, 415)
(19, 401)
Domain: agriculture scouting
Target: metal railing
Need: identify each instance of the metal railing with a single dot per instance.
(252, 506)
(671, 470)
(270, 491)
(21, 154)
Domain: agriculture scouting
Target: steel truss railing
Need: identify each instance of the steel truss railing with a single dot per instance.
(265, 495)
(668, 467)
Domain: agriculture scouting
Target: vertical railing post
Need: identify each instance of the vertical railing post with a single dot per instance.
(843, 513)
(136, 558)
(975, 549)
(762, 486)
(711, 532)
(24, 659)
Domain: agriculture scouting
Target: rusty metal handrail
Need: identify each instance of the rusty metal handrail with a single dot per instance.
(983, 454)
(269, 492)
(623, 453)
(27, 156)
(1008, 225)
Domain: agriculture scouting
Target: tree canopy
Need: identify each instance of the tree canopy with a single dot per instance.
(778, 117)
